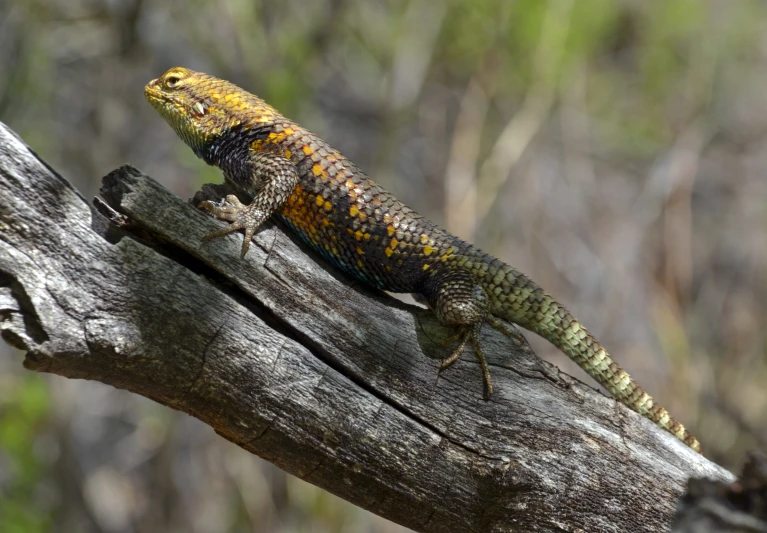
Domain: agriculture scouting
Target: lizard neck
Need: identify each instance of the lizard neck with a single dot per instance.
(230, 152)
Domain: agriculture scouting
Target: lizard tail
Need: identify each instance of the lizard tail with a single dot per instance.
(532, 308)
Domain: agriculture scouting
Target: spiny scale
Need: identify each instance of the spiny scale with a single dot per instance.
(362, 229)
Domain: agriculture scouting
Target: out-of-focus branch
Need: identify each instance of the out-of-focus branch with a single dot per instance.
(523, 127)
(711, 506)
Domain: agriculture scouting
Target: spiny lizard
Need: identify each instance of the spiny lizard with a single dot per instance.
(363, 230)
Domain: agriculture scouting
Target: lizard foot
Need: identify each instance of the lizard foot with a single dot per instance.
(504, 328)
(470, 334)
(230, 209)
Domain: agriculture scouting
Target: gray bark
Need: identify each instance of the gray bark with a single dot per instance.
(333, 382)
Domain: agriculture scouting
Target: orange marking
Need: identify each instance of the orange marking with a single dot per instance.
(289, 131)
(317, 169)
(354, 210)
(394, 242)
(360, 251)
(288, 153)
(388, 252)
(390, 230)
(363, 216)
(358, 235)
(307, 150)
(328, 206)
(320, 200)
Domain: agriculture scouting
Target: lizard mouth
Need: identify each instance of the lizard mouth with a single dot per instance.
(154, 94)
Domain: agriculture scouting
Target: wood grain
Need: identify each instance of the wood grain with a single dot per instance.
(333, 382)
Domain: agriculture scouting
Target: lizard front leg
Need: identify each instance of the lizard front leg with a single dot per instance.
(271, 180)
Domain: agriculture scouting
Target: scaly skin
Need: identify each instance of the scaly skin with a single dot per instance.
(362, 229)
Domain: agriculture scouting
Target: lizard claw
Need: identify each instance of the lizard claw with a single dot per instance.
(226, 209)
(504, 328)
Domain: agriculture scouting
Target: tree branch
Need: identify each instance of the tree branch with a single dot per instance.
(333, 382)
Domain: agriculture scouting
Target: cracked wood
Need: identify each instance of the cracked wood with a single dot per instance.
(333, 382)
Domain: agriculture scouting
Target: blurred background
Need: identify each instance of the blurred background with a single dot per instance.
(615, 150)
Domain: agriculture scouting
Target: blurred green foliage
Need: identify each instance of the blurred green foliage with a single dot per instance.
(614, 149)
(24, 415)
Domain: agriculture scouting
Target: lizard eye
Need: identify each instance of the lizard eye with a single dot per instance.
(171, 82)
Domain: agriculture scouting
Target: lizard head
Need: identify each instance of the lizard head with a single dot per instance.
(201, 108)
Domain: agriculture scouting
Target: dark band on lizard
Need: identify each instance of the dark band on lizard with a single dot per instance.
(362, 229)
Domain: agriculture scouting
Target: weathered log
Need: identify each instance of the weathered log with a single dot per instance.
(331, 381)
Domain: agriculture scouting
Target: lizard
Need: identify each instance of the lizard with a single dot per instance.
(360, 228)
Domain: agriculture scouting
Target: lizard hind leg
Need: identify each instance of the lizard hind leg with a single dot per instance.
(458, 300)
